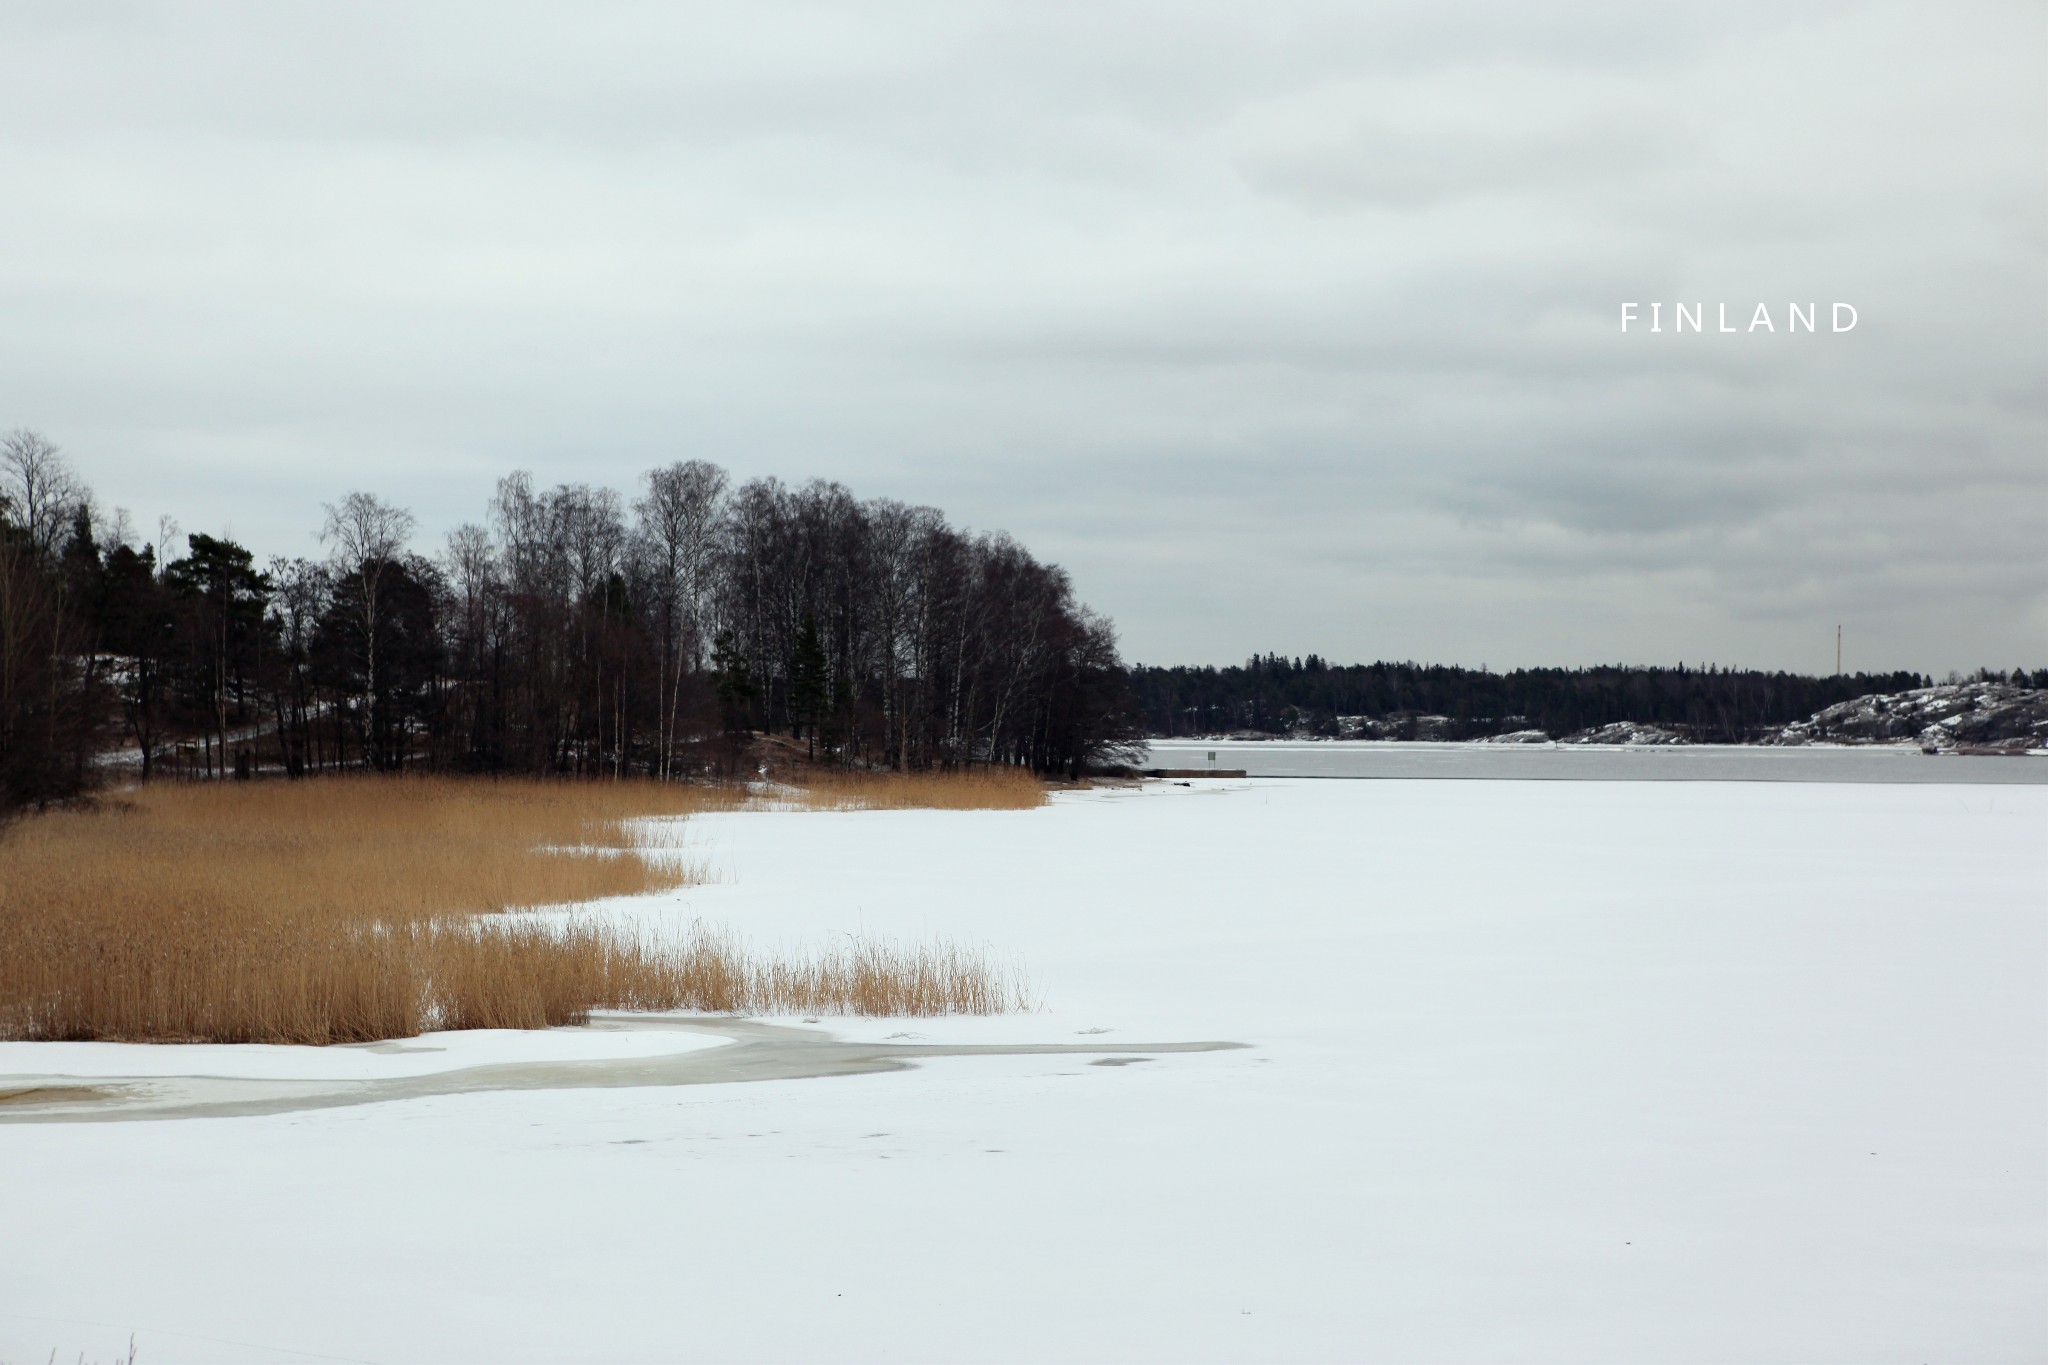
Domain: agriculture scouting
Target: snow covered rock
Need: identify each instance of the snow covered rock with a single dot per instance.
(1625, 732)
(1402, 725)
(1982, 715)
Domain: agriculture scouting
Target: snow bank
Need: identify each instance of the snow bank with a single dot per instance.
(422, 1056)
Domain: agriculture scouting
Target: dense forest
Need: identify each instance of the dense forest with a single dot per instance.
(1407, 700)
(568, 632)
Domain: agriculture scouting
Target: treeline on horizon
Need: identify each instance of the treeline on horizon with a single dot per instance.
(1273, 695)
(570, 632)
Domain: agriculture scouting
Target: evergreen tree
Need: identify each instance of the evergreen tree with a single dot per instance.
(733, 683)
(224, 598)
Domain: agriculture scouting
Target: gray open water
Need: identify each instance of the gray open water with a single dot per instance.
(1592, 763)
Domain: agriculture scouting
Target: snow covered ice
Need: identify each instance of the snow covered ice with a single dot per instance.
(1538, 1071)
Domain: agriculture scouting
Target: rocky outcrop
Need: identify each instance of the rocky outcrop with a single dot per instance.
(1403, 725)
(1956, 716)
(1625, 732)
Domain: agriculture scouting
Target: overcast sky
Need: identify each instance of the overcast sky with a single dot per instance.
(1284, 327)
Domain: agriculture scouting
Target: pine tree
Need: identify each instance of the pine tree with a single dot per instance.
(734, 684)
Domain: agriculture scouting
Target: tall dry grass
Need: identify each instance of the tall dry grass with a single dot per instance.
(352, 909)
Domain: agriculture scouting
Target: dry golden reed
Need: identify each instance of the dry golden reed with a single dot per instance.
(347, 910)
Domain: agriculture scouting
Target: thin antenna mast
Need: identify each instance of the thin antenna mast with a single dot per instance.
(1838, 651)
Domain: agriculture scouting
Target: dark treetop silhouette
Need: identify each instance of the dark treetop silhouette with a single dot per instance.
(571, 634)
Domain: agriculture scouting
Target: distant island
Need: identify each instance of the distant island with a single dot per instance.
(1272, 697)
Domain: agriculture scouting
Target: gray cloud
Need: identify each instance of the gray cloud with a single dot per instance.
(1285, 328)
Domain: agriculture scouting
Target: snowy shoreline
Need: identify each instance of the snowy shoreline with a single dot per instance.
(1588, 1071)
(1477, 760)
(106, 1086)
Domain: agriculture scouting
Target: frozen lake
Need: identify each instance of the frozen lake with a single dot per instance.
(1543, 1072)
(1595, 763)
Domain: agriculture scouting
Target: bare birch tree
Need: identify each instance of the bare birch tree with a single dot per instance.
(366, 534)
(678, 534)
(40, 489)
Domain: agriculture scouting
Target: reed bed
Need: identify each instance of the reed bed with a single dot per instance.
(349, 910)
(707, 969)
